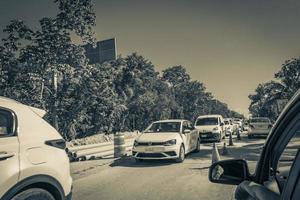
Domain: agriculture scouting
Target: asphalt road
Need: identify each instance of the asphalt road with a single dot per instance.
(154, 180)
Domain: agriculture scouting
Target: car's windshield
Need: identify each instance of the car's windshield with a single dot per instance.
(207, 121)
(259, 120)
(163, 127)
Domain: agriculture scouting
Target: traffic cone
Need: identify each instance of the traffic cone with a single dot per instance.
(238, 135)
(215, 157)
(224, 150)
(230, 140)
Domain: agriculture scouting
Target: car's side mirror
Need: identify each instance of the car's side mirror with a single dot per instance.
(186, 131)
(222, 124)
(232, 172)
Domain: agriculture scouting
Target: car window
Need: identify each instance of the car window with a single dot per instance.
(285, 152)
(207, 121)
(190, 126)
(288, 155)
(6, 123)
(185, 125)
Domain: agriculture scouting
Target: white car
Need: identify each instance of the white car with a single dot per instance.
(166, 139)
(33, 161)
(210, 127)
(259, 126)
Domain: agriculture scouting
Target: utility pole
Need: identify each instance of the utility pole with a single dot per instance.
(54, 109)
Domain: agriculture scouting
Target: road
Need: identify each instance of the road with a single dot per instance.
(127, 180)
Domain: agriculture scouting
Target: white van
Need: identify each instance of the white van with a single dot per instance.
(210, 127)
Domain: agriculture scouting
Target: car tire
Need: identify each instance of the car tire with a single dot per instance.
(34, 194)
(181, 156)
(197, 147)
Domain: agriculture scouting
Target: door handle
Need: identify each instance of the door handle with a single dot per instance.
(5, 155)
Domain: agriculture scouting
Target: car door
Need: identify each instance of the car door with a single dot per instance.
(292, 188)
(187, 136)
(273, 172)
(9, 151)
(194, 135)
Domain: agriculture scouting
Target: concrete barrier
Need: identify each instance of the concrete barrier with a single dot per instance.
(88, 152)
(119, 145)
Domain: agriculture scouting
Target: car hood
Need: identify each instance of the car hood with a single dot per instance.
(203, 129)
(157, 137)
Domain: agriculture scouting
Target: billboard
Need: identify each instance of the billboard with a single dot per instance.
(105, 50)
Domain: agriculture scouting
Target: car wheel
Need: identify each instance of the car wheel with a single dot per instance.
(181, 154)
(197, 149)
(34, 194)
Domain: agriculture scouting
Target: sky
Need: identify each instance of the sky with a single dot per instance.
(231, 46)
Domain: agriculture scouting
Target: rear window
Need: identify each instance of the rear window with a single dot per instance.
(259, 120)
(6, 123)
(207, 121)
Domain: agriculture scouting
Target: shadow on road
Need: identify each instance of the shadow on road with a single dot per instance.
(250, 152)
(131, 162)
(203, 154)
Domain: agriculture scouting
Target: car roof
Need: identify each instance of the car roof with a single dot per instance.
(207, 116)
(30, 124)
(259, 118)
(171, 120)
(8, 100)
(13, 104)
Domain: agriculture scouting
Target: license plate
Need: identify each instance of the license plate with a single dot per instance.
(154, 149)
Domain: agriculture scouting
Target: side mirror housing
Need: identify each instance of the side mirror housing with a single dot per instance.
(231, 172)
(186, 131)
(222, 124)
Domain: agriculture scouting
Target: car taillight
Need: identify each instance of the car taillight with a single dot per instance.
(60, 143)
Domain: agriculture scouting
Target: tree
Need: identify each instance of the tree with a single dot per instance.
(176, 75)
(30, 58)
(190, 97)
(265, 100)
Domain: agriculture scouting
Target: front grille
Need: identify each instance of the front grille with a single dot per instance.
(151, 155)
(151, 143)
(207, 135)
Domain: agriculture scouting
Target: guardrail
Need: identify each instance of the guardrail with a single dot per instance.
(93, 151)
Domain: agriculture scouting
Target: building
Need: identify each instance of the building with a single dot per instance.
(105, 50)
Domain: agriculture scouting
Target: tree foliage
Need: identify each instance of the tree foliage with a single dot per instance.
(124, 94)
(268, 96)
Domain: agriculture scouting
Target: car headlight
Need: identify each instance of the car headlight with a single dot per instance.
(215, 129)
(135, 143)
(170, 142)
